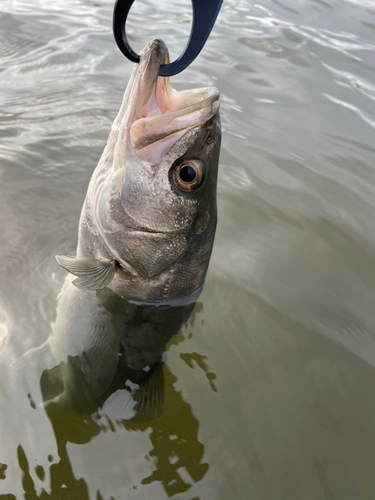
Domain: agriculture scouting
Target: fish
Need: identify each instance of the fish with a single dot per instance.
(145, 239)
(148, 222)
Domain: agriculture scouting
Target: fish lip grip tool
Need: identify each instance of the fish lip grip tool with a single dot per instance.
(205, 13)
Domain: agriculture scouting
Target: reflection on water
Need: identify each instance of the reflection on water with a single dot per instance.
(176, 454)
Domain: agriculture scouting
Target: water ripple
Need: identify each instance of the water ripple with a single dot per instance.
(288, 306)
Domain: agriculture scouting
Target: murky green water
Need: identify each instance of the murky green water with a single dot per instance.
(269, 387)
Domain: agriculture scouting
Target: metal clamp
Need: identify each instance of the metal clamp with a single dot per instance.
(205, 13)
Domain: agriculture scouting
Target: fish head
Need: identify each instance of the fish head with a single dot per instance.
(152, 197)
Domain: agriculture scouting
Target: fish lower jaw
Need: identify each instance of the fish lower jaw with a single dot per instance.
(140, 289)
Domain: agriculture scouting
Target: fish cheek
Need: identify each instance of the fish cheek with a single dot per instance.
(156, 252)
(202, 221)
(111, 213)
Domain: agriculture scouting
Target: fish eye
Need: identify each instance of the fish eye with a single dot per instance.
(188, 175)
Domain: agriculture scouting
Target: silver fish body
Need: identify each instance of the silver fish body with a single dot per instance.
(145, 239)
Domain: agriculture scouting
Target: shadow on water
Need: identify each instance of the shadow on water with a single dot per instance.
(117, 380)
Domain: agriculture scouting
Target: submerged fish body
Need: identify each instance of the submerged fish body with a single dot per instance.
(148, 222)
(106, 345)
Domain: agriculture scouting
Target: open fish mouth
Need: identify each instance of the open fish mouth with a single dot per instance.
(159, 114)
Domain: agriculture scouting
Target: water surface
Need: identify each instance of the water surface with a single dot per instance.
(269, 387)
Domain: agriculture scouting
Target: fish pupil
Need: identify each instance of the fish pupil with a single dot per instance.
(187, 174)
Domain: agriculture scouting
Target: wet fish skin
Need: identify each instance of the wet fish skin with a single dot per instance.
(159, 236)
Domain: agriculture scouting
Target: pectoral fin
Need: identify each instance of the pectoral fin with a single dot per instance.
(92, 274)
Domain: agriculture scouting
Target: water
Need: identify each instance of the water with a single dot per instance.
(269, 385)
